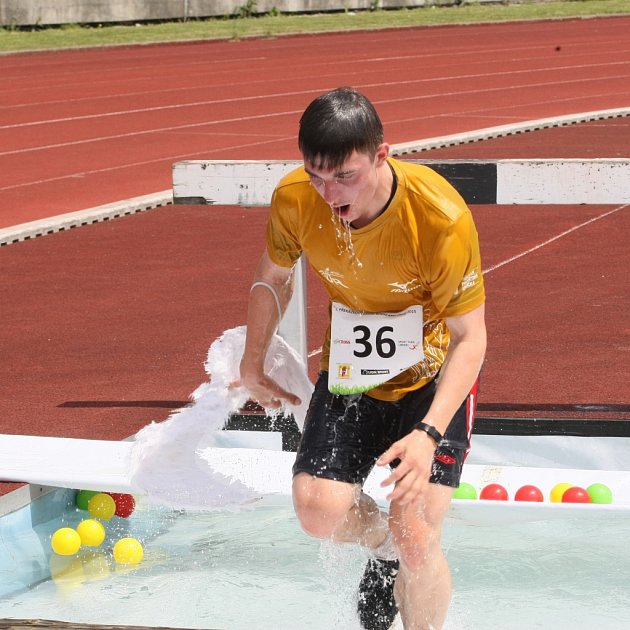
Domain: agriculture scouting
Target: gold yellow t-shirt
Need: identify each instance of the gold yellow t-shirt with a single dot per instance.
(423, 249)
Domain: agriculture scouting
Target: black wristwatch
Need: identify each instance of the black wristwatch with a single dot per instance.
(431, 431)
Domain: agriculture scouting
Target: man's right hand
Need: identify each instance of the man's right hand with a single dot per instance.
(265, 391)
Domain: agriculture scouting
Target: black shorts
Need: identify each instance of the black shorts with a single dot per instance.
(345, 435)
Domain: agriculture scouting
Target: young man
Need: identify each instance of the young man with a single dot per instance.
(397, 250)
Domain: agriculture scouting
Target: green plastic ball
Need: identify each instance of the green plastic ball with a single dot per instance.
(465, 491)
(599, 493)
(83, 497)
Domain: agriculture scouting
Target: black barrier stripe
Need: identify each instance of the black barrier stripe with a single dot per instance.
(476, 182)
(189, 201)
(580, 427)
(484, 425)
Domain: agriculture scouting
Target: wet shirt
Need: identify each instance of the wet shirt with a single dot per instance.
(422, 250)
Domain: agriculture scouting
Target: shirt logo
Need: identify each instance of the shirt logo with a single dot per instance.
(469, 280)
(332, 277)
(404, 287)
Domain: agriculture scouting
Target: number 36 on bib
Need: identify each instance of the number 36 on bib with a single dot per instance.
(368, 349)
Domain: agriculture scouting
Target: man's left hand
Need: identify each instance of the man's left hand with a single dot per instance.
(411, 477)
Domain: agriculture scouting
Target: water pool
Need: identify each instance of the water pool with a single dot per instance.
(255, 569)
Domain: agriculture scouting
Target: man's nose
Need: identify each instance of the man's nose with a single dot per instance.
(330, 191)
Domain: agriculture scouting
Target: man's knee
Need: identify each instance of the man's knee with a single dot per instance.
(417, 532)
(417, 544)
(321, 505)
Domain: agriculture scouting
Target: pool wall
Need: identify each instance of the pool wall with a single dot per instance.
(23, 552)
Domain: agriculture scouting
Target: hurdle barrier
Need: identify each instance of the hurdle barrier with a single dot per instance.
(250, 183)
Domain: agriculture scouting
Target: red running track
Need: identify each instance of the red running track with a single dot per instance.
(84, 128)
(106, 327)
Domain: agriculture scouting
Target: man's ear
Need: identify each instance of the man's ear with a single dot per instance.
(382, 153)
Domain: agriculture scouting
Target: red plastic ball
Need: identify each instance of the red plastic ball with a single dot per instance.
(125, 504)
(494, 492)
(529, 493)
(576, 495)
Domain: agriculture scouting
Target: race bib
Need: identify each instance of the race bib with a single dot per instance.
(368, 349)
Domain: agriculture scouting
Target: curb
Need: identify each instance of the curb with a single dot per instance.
(71, 220)
(489, 133)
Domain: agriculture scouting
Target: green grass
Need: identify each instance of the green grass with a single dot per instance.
(72, 36)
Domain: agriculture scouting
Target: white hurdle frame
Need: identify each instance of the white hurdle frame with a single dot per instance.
(250, 183)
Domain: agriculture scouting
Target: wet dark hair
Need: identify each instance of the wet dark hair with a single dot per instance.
(337, 123)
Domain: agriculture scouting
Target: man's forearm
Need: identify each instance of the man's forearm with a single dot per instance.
(270, 293)
(457, 378)
(464, 359)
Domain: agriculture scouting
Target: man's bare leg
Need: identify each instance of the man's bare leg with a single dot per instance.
(423, 585)
(338, 511)
(343, 513)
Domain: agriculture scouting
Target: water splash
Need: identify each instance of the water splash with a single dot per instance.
(167, 463)
(343, 238)
(341, 564)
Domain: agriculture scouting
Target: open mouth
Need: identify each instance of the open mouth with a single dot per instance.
(341, 211)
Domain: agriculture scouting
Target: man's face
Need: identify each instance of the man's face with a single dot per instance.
(349, 189)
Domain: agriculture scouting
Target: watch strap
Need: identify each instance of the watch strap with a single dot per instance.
(431, 431)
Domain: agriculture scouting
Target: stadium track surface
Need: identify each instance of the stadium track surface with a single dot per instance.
(84, 128)
(106, 327)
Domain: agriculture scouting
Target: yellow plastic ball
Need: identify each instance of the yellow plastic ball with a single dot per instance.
(128, 551)
(92, 533)
(101, 505)
(66, 541)
(558, 490)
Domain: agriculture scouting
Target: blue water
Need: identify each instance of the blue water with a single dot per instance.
(256, 569)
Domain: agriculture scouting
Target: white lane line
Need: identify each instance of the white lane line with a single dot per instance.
(205, 103)
(471, 54)
(151, 131)
(144, 110)
(277, 114)
(317, 351)
(202, 154)
(554, 238)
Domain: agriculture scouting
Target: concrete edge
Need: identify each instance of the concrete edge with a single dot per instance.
(489, 133)
(23, 496)
(71, 220)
